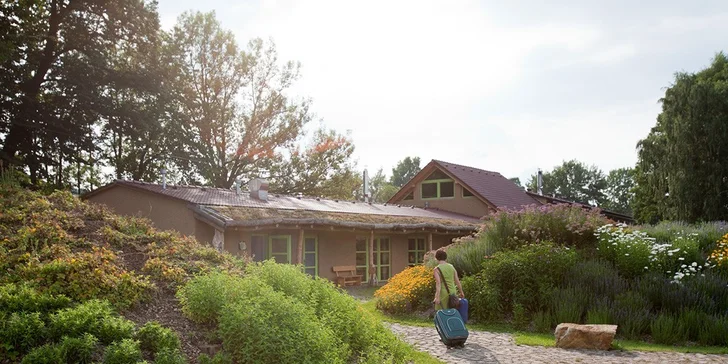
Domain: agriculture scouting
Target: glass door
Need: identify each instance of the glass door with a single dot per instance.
(415, 251)
(382, 258)
(310, 256)
(362, 258)
(279, 248)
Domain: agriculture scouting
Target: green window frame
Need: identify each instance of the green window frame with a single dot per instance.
(467, 193)
(438, 183)
(362, 257)
(311, 270)
(276, 254)
(384, 269)
(415, 251)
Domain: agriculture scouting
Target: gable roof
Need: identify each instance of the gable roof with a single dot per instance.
(207, 200)
(488, 185)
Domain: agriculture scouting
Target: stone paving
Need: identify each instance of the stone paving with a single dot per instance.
(488, 347)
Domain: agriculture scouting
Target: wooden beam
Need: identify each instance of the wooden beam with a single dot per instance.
(372, 267)
(429, 242)
(300, 246)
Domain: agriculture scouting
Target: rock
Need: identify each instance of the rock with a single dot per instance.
(575, 336)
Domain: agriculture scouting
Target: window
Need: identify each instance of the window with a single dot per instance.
(410, 196)
(381, 258)
(279, 248)
(467, 193)
(429, 189)
(443, 188)
(362, 257)
(416, 251)
(310, 256)
(447, 189)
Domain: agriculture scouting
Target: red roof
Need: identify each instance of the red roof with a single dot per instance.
(492, 186)
(223, 197)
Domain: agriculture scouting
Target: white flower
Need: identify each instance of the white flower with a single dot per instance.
(681, 258)
(626, 254)
(695, 264)
(683, 266)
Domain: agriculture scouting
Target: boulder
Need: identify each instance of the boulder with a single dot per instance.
(575, 336)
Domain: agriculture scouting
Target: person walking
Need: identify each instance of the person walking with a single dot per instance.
(447, 273)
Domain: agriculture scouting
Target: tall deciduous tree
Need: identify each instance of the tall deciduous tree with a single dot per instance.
(574, 181)
(381, 190)
(404, 171)
(682, 170)
(620, 194)
(237, 112)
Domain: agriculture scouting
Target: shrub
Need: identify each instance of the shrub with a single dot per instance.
(706, 233)
(21, 331)
(485, 299)
(525, 275)
(154, 338)
(203, 297)
(542, 321)
(22, 297)
(123, 352)
(719, 254)
(46, 354)
(78, 350)
(599, 314)
(666, 329)
(170, 356)
(629, 251)
(714, 331)
(520, 316)
(94, 317)
(219, 358)
(568, 305)
(113, 328)
(466, 255)
(693, 293)
(631, 312)
(254, 330)
(597, 279)
(407, 291)
(692, 322)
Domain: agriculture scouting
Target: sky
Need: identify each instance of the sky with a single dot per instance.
(506, 86)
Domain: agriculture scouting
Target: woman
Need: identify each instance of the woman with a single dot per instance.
(451, 279)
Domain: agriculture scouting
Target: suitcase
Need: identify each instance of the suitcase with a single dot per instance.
(451, 327)
(463, 309)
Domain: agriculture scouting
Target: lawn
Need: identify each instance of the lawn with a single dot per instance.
(531, 338)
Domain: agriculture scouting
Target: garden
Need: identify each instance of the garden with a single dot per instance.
(532, 269)
(83, 285)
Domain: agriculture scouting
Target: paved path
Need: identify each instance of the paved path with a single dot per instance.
(487, 347)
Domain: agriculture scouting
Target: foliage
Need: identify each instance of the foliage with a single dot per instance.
(568, 305)
(409, 290)
(597, 279)
(380, 189)
(524, 276)
(46, 354)
(78, 350)
(170, 356)
(94, 317)
(631, 313)
(682, 163)
(619, 191)
(574, 181)
(19, 332)
(719, 255)
(202, 298)
(155, 338)
(485, 303)
(23, 298)
(707, 233)
(123, 352)
(666, 329)
(542, 321)
(219, 358)
(466, 255)
(404, 171)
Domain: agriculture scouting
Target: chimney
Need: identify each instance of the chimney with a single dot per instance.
(539, 182)
(164, 178)
(258, 189)
(365, 185)
(237, 185)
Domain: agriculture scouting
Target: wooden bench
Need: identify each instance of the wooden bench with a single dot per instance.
(346, 275)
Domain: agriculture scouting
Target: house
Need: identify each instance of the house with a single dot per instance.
(380, 240)
(474, 192)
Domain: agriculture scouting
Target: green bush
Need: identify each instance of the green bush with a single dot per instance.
(123, 352)
(22, 297)
(21, 331)
(631, 311)
(667, 329)
(219, 358)
(267, 326)
(599, 313)
(78, 350)
(154, 338)
(485, 304)
(596, 279)
(204, 296)
(706, 233)
(466, 255)
(113, 328)
(692, 322)
(94, 317)
(169, 356)
(46, 354)
(542, 321)
(714, 331)
(520, 317)
(631, 251)
(525, 275)
(568, 305)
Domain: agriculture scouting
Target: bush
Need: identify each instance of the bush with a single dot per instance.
(113, 328)
(568, 305)
(170, 356)
(94, 317)
(599, 314)
(46, 354)
(596, 279)
(21, 331)
(629, 251)
(123, 352)
(525, 276)
(203, 297)
(719, 254)
(667, 329)
(466, 255)
(254, 330)
(154, 338)
(706, 233)
(631, 312)
(24, 298)
(219, 358)
(714, 331)
(542, 321)
(409, 290)
(485, 304)
(78, 350)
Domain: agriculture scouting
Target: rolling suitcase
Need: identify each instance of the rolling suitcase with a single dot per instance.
(451, 327)
(463, 309)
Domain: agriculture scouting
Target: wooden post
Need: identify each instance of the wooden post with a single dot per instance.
(429, 242)
(372, 267)
(300, 246)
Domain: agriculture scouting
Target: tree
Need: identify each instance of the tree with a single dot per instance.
(574, 181)
(236, 112)
(55, 66)
(517, 181)
(682, 167)
(619, 192)
(381, 190)
(324, 168)
(404, 171)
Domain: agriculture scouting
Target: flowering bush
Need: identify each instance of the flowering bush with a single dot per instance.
(719, 255)
(409, 290)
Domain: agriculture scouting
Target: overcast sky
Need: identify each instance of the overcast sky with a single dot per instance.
(508, 86)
